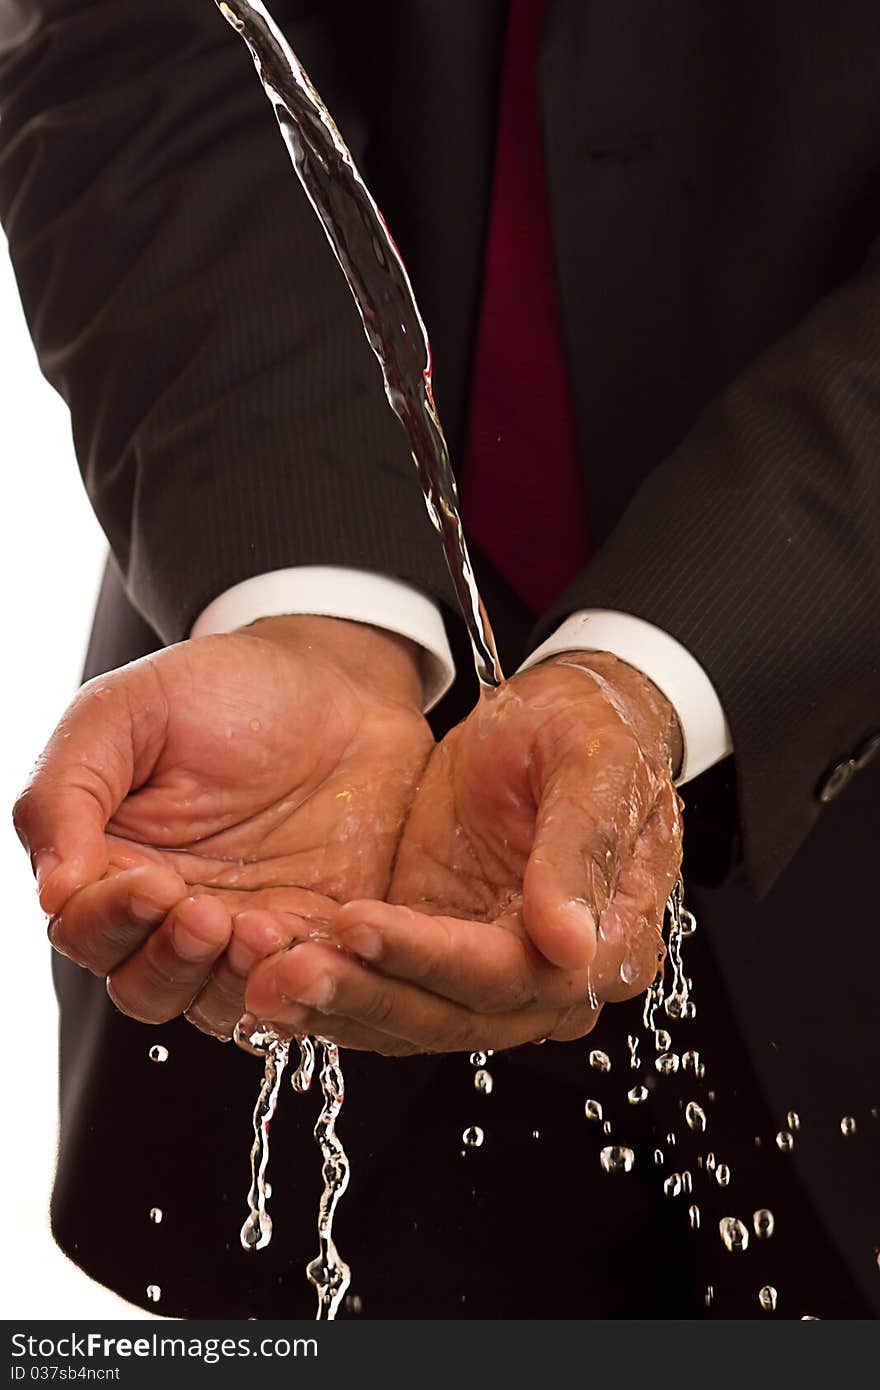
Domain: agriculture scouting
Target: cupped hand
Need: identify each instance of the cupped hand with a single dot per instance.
(205, 806)
(530, 882)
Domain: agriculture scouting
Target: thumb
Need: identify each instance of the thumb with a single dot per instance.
(82, 776)
(589, 816)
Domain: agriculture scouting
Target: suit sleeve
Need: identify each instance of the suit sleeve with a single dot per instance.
(227, 413)
(757, 546)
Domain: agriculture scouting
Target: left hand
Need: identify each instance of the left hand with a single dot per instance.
(530, 881)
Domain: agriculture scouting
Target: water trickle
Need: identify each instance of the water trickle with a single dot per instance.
(768, 1298)
(593, 1109)
(154, 1293)
(156, 1215)
(848, 1126)
(617, 1159)
(785, 1141)
(158, 1053)
(734, 1234)
(301, 1078)
(256, 1232)
(764, 1223)
(695, 1116)
(637, 1095)
(473, 1137)
(600, 1061)
(483, 1082)
(328, 1272)
(722, 1175)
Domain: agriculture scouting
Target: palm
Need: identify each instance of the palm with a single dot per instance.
(541, 806)
(271, 776)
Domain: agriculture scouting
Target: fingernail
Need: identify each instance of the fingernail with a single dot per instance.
(147, 913)
(45, 863)
(318, 994)
(363, 942)
(52, 929)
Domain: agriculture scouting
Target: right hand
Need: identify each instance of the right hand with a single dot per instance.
(205, 806)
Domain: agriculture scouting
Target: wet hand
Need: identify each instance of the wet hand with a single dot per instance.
(201, 808)
(530, 881)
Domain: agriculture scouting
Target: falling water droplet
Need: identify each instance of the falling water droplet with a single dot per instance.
(637, 1095)
(158, 1053)
(617, 1159)
(478, 1059)
(600, 1061)
(694, 1217)
(632, 1043)
(256, 1231)
(848, 1126)
(593, 1109)
(768, 1298)
(733, 1233)
(662, 1040)
(354, 1303)
(695, 1116)
(672, 1185)
(154, 1293)
(709, 1295)
(710, 1162)
(793, 1121)
(483, 1082)
(156, 1214)
(690, 1061)
(687, 1181)
(722, 1175)
(670, 1139)
(606, 1128)
(659, 1157)
(536, 1134)
(667, 1063)
(472, 1137)
(764, 1223)
(785, 1141)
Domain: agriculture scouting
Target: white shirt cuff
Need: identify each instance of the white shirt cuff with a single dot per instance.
(336, 591)
(705, 734)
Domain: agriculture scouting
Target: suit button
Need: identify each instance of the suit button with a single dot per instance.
(833, 784)
(866, 751)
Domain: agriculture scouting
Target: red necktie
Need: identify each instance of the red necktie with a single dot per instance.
(522, 487)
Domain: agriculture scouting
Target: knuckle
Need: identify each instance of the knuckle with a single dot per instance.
(378, 1008)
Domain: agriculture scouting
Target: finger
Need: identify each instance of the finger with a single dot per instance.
(102, 924)
(589, 817)
(296, 989)
(84, 773)
(487, 967)
(256, 934)
(631, 943)
(159, 981)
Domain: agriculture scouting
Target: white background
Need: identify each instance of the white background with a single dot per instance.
(51, 555)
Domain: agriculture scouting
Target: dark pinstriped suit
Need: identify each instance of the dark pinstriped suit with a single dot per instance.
(714, 185)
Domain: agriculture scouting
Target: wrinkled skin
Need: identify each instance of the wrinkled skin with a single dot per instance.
(183, 796)
(530, 881)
